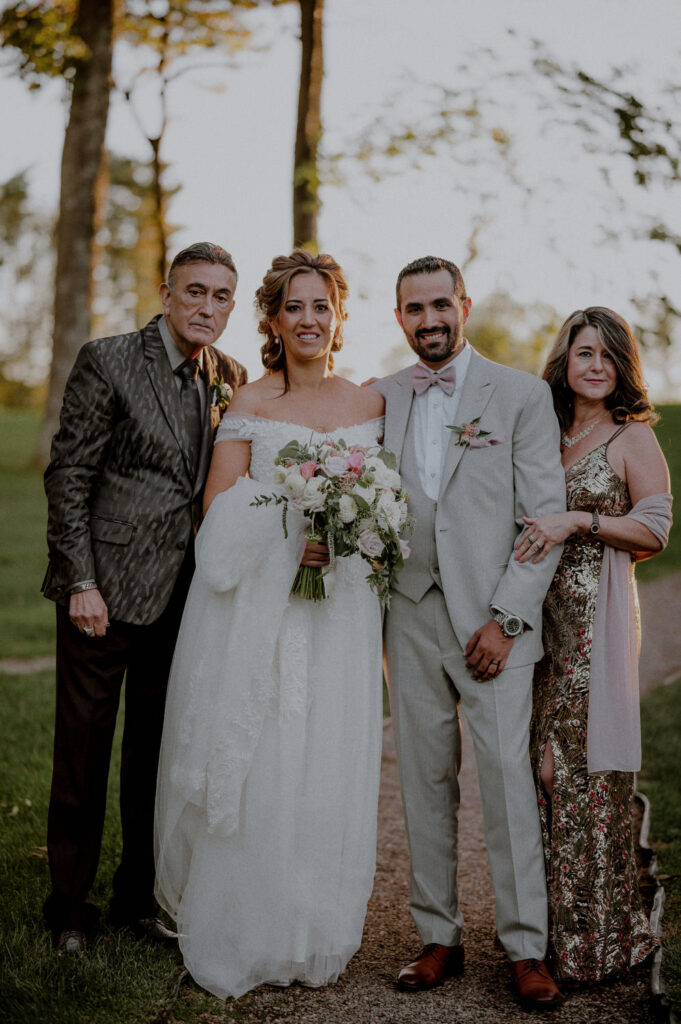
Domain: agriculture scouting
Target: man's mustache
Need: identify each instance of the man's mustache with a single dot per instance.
(425, 332)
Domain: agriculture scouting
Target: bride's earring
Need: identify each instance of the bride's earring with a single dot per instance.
(280, 348)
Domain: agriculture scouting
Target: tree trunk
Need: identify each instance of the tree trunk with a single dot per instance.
(82, 161)
(309, 129)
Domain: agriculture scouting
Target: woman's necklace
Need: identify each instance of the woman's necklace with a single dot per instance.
(567, 441)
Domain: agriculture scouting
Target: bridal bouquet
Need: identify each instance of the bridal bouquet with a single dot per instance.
(354, 500)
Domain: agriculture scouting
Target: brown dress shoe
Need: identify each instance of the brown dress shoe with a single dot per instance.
(535, 987)
(433, 964)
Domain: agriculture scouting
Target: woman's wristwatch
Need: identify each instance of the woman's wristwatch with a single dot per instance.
(595, 523)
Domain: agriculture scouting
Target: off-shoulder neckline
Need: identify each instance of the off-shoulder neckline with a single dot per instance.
(301, 426)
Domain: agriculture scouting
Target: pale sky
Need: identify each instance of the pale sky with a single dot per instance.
(232, 152)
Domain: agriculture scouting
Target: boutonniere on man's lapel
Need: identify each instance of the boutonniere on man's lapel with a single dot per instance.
(221, 393)
(471, 435)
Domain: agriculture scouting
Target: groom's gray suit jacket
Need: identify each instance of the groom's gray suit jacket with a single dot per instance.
(484, 493)
(122, 498)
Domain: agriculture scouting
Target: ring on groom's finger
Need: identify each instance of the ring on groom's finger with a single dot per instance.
(88, 630)
(493, 661)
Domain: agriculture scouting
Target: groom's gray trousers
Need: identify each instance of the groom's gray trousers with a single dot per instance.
(428, 678)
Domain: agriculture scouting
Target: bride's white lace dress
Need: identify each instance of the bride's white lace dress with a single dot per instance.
(269, 770)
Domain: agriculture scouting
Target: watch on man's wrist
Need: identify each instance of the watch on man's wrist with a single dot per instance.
(511, 625)
(595, 523)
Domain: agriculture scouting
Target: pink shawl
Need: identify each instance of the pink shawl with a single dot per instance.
(614, 723)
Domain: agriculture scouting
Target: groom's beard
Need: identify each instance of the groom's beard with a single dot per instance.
(436, 351)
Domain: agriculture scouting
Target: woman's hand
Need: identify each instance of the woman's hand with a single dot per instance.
(544, 532)
(315, 555)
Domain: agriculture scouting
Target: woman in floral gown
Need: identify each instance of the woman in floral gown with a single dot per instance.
(586, 729)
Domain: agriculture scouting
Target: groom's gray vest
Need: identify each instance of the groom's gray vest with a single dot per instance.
(420, 570)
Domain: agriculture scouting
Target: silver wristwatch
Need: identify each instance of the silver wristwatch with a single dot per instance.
(511, 625)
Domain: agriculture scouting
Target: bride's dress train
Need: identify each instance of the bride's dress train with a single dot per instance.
(268, 779)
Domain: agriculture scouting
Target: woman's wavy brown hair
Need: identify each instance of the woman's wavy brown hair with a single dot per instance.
(629, 400)
(271, 296)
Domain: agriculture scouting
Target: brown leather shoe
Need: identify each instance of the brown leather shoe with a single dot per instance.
(535, 987)
(433, 964)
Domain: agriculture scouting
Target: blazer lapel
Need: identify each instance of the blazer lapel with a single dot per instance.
(477, 391)
(164, 385)
(397, 409)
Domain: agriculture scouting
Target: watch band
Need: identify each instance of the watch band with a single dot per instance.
(78, 588)
(595, 523)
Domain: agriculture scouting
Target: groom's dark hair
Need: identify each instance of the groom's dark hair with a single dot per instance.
(431, 265)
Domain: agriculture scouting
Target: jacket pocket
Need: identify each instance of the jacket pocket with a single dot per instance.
(112, 531)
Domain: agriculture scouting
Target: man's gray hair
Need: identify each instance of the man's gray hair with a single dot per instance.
(201, 252)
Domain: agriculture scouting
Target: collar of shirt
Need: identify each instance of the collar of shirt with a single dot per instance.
(176, 357)
(175, 354)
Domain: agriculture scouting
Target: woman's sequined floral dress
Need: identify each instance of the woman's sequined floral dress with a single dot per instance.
(597, 926)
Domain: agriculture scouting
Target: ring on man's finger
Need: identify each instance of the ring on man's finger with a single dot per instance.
(88, 630)
(494, 661)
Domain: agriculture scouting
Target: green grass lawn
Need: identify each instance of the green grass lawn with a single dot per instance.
(660, 780)
(121, 979)
(26, 618)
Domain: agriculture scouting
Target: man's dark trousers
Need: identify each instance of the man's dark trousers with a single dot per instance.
(90, 673)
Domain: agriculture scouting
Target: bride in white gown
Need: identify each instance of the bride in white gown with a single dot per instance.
(269, 769)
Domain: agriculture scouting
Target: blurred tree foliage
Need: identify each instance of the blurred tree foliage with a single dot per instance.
(26, 260)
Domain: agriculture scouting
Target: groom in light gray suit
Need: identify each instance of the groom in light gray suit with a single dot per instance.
(478, 448)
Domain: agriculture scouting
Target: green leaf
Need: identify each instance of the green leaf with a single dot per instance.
(388, 458)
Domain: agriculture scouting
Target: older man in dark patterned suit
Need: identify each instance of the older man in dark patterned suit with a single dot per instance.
(124, 489)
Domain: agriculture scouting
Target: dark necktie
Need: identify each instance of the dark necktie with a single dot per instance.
(188, 372)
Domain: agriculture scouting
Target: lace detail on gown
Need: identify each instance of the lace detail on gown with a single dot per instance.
(268, 779)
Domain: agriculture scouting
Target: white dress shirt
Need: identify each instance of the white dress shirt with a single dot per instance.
(433, 411)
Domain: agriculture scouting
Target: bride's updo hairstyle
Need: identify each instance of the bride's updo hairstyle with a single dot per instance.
(273, 292)
(629, 400)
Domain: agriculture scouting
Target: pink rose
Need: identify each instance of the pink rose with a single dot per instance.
(356, 461)
(308, 470)
(336, 465)
(370, 544)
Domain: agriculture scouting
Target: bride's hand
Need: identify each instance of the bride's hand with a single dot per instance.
(315, 555)
(543, 533)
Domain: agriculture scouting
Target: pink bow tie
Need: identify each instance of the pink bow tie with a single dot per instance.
(422, 379)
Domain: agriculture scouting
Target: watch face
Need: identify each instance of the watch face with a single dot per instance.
(512, 625)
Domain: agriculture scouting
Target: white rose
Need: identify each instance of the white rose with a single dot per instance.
(388, 511)
(347, 508)
(313, 498)
(405, 549)
(370, 544)
(385, 477)
(365, 493)
(294, 484)
(279, 474)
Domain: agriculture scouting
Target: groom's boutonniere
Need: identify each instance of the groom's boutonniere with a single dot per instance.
(471, 435)
(220, 393)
